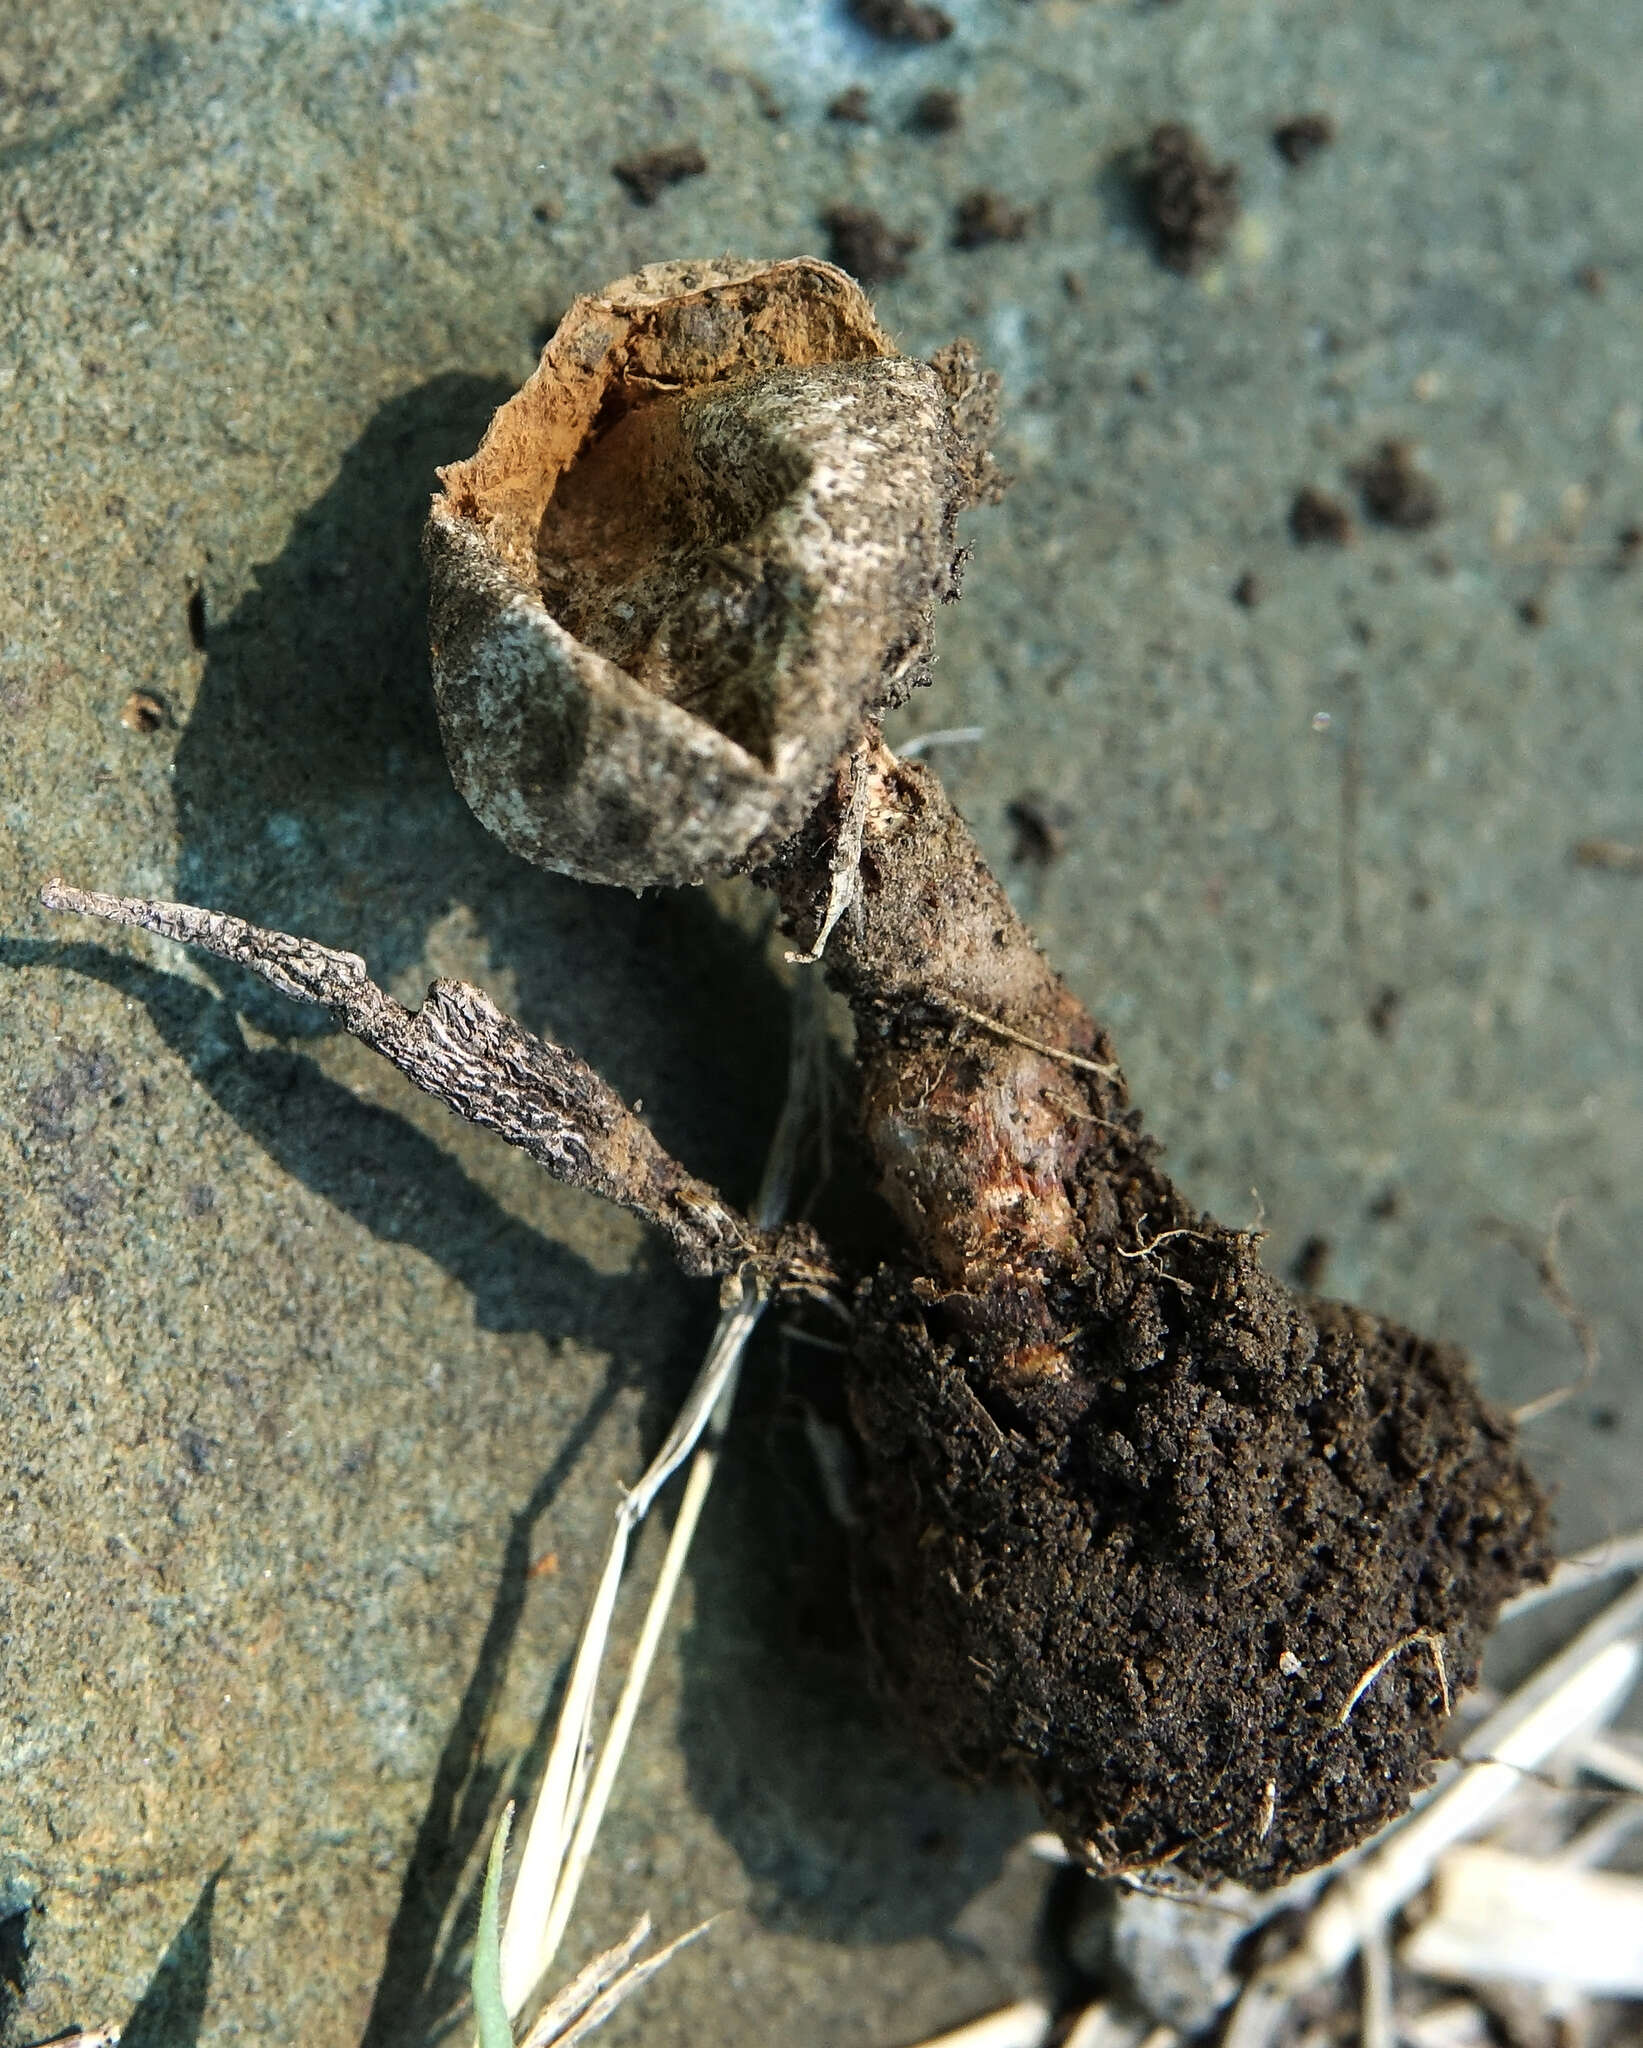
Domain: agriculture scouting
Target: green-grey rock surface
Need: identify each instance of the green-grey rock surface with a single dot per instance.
(315, 1403)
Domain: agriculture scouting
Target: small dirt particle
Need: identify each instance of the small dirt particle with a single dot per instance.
(937, 112)
(983, 216)
(1318, 520)
(1396, 491)
(546, 211)
(142, 712)
(855, 103)
(1299, 139)
(1592, 279)
(864, 243)
(1385, 1012)
(1191, 201)
(1248, 590)
(1628, 543)
(1072, 283)
(1039, 838)
(1611, 856)
(1532, 612)
(1387, 1205)
(902, 21)
(647, 175)
(1312, 1262)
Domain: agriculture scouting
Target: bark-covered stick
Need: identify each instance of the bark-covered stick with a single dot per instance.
(461, 1048)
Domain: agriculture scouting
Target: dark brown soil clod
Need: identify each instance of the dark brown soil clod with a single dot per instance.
(864, 243)
(647, 176)
(902, 21)
(1397, 492)
(1318, 520)
(1299, 139)
(937, 112)
(1191, 201)
(855, 103)
(984, 216)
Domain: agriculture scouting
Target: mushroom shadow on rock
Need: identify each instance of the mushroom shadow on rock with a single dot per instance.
(314, 797)
(847, 1831)
(170, 2011)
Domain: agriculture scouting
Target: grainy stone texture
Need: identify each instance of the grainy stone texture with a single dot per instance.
(299, 1376)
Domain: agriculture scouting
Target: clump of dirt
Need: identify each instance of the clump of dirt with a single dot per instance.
(1139, 1521)
(855, 103)
(937, 112)
(1191, 201)
(1397, 491)
(864, 243)
(902, 21)
(1299, 139)
(985, 216)
(649, 175)
(1317, 519)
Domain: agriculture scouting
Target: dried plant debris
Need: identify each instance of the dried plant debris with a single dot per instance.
(648, 175)
(1191, 201)
(864, 243)
(1317, 519)
(1299, 139)
(1198, 1558)
(902, 21)
(939, 111)
(1397, 491)
(985, 216)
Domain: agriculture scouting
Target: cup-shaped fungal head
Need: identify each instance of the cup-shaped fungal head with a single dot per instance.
(692, 557)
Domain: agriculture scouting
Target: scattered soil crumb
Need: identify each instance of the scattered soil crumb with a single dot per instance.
(1248, 590)
(1628, 545)
(142, 712)
(983, 216)
(1318, 520)
(647, 175)
(1396, 491)
(546, 211)
(855, 103)
(765, 97)
(1532, 612)
(1387, 1205)
(864, 243)
(1613, 856)
(1385, 1012)
(1593, 279)
(902, 21)
(1139, 384)
(937, 112)
(1191, 201)
(1312, 1262)
(1299, 139)
(1072, 283)
(1039, 837)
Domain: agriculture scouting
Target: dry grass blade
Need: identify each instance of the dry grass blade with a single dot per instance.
(1026, 2024)
(570, 1805)
(593, 1978)
(1606, 1560)
(611, 1993)
(1497, 1916)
